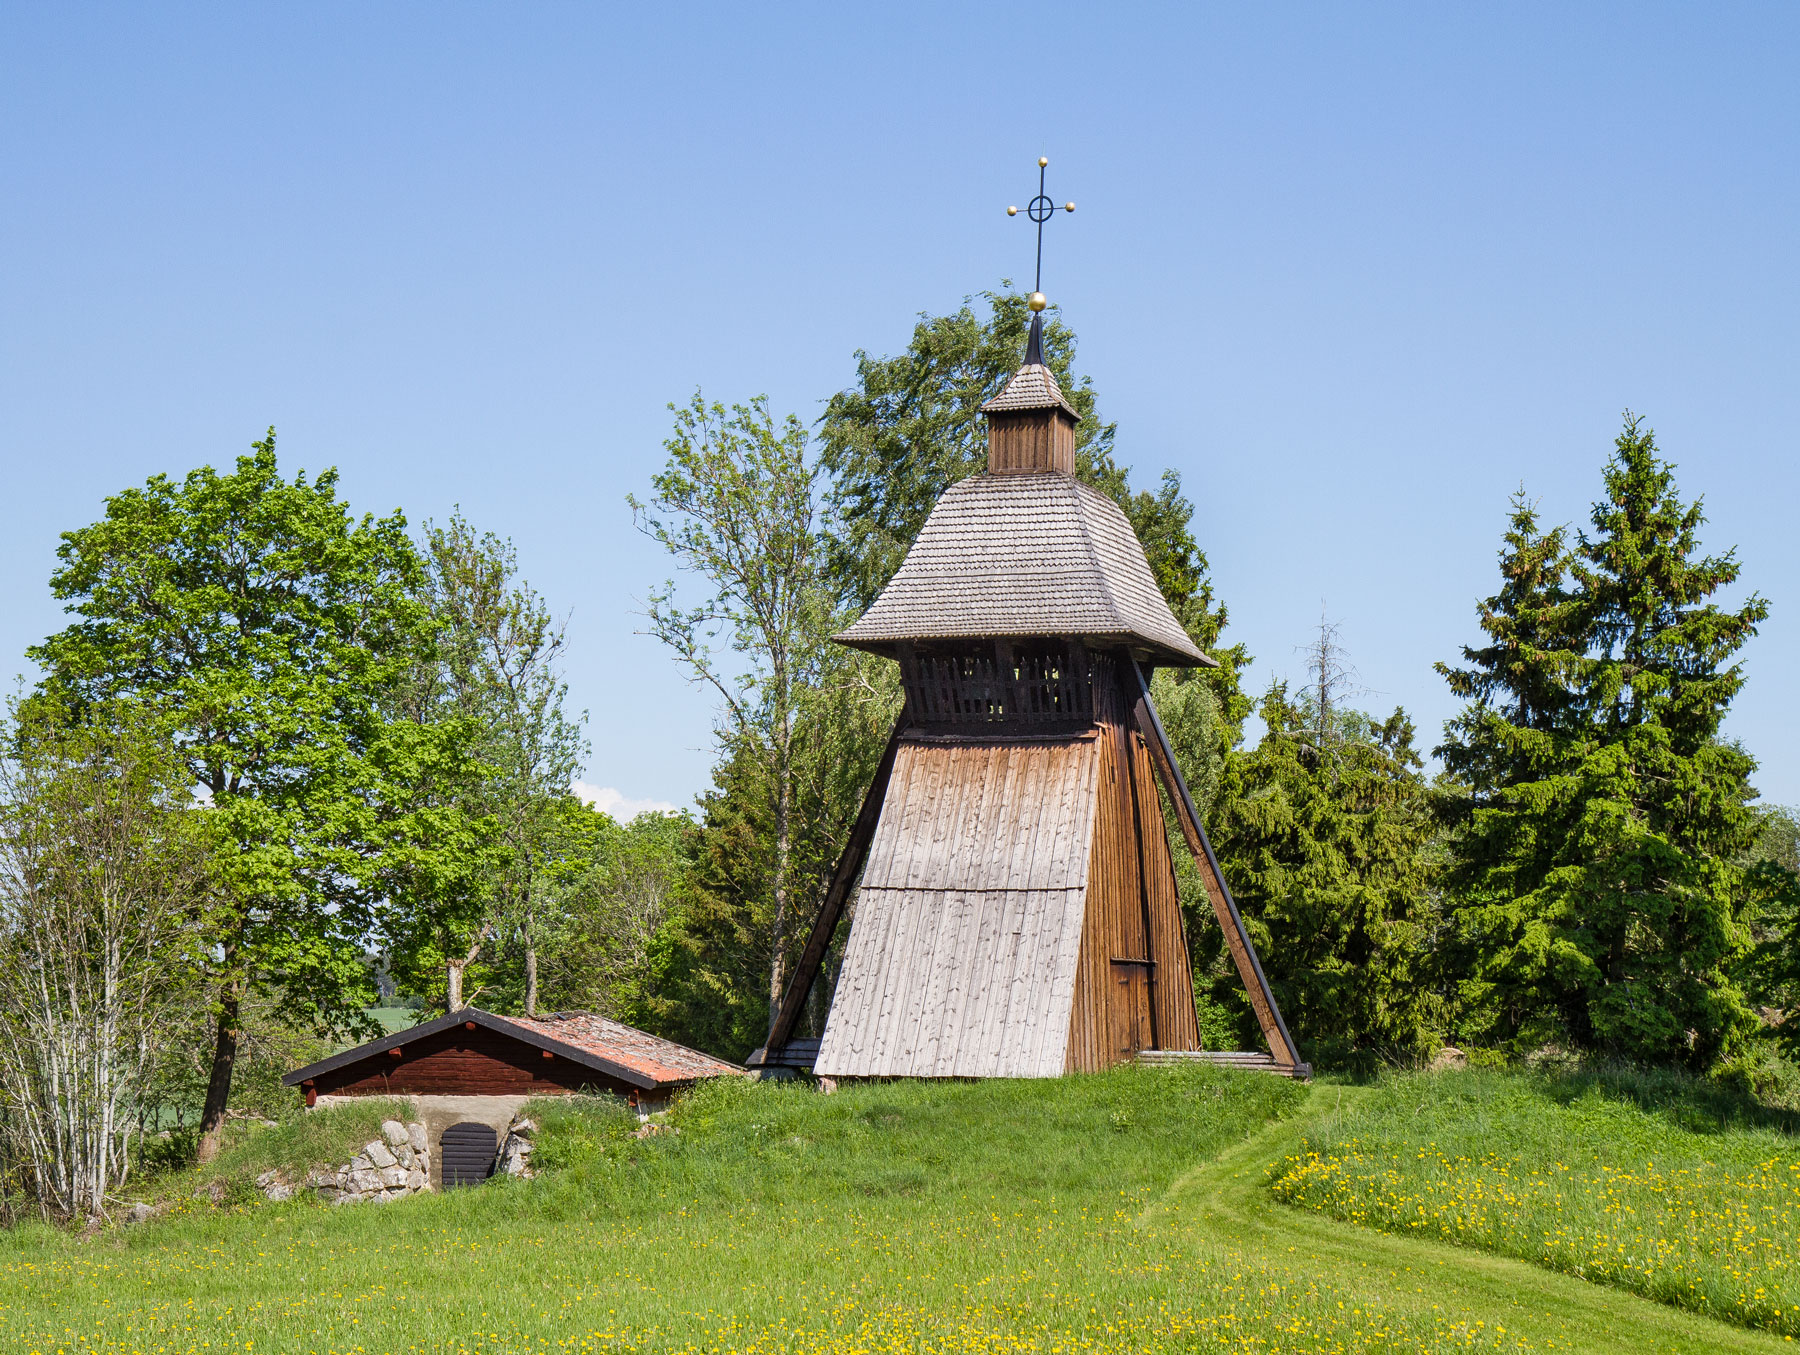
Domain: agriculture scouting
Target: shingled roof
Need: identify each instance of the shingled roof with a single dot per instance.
(1033, 386)
(654, 1057)
(1026, 555)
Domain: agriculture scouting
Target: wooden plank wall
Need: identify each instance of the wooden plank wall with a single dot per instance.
(1172, 991)
(463, 1062)
(1133, 911)
(962, 954)
(1031, 440)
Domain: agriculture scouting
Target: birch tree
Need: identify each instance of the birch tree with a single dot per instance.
(102, 903)
(735, 507)
(495, 671)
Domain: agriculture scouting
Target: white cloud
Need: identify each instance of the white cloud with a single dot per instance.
(613, 803)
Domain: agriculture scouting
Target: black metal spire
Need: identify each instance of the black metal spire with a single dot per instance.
(1034, 342)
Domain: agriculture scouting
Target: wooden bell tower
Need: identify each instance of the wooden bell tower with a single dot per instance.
(1016, 912)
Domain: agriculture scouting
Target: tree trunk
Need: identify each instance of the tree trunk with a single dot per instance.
(224, 1062)
(453, 969)
(530, 979)
(784, 803)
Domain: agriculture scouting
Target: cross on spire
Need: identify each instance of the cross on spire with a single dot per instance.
(1040, 209)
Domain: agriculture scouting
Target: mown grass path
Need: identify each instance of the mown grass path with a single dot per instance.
(1227, 1202)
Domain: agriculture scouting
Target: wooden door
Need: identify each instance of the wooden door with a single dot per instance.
(1130, 1006)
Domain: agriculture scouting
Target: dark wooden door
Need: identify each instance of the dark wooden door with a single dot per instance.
(466, 1153)
(1130, 1006)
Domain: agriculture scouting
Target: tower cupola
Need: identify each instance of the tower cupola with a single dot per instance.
(1031, 427)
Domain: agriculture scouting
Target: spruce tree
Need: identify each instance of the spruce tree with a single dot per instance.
(1324, 830)
(1599, 882)
(1505, 758)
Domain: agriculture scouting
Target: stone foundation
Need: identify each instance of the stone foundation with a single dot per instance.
(393, 1165)
(515, 1148)
(400, 1162)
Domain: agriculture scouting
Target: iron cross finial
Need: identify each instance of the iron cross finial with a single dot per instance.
(1040, 210)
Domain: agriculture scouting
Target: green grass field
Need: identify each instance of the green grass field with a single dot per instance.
(395, 1018)
(1128, 1211)
(1633, 1180)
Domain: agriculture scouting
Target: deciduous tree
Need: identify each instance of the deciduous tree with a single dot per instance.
(262, 630)
(493, 674)
(735, 506)
(104, 898)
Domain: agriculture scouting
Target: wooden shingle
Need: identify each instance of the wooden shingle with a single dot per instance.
(1026, 555)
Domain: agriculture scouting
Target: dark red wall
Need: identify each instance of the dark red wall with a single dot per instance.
(463, 1062)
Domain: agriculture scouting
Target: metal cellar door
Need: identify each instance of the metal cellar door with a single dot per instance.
(466, 1153)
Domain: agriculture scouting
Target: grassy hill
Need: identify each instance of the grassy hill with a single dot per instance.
(1128, 1211)
(1647, 1182)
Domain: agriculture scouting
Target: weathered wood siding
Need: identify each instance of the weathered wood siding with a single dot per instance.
(1172, 985)
(1031, 440)
(463, 1062)
(961, 959)
(1134, 985)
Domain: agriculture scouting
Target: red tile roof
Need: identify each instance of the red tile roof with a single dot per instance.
(663, 1060)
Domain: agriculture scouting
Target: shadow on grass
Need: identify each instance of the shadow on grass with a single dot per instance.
(1687, 1102)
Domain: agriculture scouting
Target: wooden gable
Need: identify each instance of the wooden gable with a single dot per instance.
(475, 1053)
(465, 1059)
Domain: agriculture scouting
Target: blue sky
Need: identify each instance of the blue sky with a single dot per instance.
(1357, 272)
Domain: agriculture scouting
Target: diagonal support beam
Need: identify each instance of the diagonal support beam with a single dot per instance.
(837, 894)
(1237, 939)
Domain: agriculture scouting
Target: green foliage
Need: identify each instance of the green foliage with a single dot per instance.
(804, 718)
(490, 678)
(269, 1044)
(1323, 834)
(734, 507)
(909, 428)
(705, 965)
(263, 631)
(1771, 974)
(1599, 892)
(104, 913)
(610, 891)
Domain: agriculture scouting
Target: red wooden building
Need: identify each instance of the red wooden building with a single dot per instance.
(472, 1053)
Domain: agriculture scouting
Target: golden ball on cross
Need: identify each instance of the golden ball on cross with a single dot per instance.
(1043, 160)
(1012, 211)
(1037, 301)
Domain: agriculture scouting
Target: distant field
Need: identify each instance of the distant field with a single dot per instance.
(1637, 1181)
(1121, 1212)
(396, 1018)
